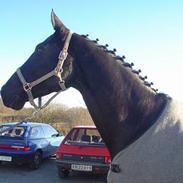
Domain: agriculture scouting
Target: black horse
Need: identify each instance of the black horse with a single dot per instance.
(122, 104)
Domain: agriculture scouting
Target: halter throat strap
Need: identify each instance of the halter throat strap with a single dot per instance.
(27, 86)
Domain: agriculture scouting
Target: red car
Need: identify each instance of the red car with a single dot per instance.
(82, 150)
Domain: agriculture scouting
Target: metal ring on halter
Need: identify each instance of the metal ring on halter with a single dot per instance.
(27, 87)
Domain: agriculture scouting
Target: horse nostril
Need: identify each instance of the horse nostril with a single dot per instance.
(3, 96)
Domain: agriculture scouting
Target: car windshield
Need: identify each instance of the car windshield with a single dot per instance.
(17, 131)
(83, 136)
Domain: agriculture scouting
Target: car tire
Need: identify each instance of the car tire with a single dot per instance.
(104, 178)
(36, 160)
(63, 173)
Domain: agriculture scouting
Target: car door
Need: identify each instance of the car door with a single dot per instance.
(54, 138)
(48, 135)
(38, 139)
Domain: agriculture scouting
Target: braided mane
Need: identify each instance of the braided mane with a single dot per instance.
(122, 59)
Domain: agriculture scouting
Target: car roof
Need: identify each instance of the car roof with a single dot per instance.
(25, 123)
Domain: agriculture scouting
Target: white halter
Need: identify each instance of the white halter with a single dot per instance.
(56, 72)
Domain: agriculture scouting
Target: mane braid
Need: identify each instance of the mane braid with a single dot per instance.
(122, 59)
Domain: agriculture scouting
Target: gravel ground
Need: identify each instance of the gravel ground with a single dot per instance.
(47, 173)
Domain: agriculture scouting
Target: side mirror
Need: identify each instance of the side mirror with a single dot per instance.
(61, 134)
(56, 135)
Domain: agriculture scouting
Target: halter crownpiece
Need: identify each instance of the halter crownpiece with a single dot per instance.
(56, 72)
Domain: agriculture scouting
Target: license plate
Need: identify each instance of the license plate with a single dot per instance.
(5, 158)
(85, 168)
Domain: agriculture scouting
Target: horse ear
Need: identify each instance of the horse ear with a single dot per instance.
(56, 22)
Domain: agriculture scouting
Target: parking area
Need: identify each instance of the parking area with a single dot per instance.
(46, 174)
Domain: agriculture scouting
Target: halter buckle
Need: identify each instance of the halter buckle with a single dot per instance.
(63, 55)
(27, 87)
(62, 85)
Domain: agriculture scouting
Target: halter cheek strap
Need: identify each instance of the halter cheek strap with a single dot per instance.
(56, 72)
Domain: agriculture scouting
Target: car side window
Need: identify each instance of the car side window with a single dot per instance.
(36, 132)
(49, 131)
(52, 131)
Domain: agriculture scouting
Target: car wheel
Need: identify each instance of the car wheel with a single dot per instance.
(63, 173)
(104, 178)
(36, 160)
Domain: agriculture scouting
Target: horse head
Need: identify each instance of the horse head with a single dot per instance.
(43, 61)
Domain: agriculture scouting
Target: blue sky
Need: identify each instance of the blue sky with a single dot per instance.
(148, 33)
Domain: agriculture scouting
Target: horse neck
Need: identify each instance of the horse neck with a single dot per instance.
(121, 106)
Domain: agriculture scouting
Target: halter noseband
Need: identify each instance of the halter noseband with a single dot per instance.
(56, 72)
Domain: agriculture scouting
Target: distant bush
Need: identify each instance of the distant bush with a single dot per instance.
(64, 118)
(59, 116)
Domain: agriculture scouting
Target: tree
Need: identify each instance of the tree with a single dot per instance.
(59, 116)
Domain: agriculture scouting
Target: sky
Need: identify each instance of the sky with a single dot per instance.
(148, 33)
